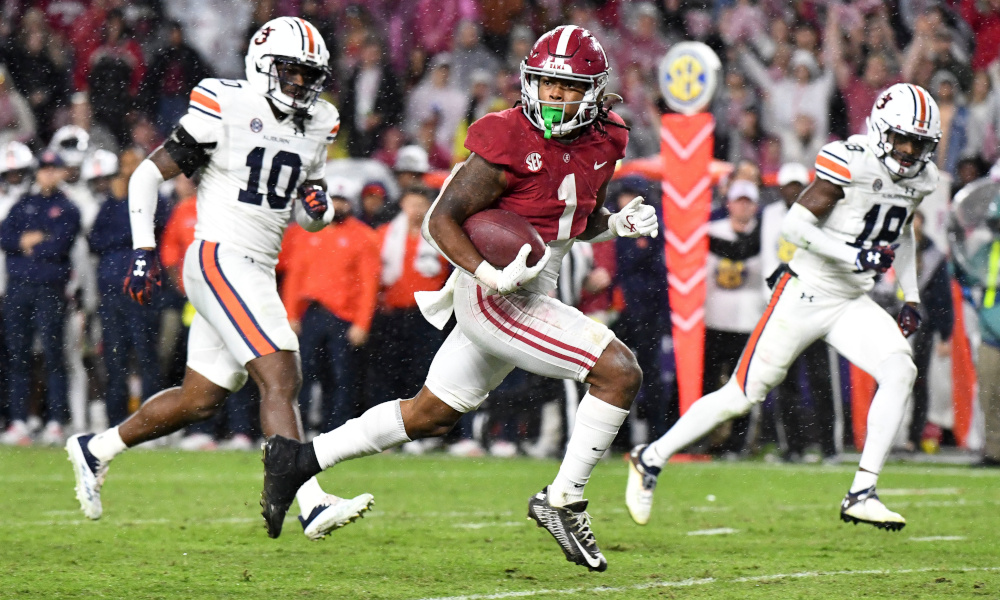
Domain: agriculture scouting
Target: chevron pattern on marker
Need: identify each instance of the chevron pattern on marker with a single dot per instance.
(687, 244)
(688, 324)
(686, 286)
(686, 200)
(685, 151)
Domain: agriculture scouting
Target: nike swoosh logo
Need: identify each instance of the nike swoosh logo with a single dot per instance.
(596, 562)
(599, 165)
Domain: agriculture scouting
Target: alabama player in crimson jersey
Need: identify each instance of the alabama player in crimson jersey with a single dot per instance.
(549, 161)
(257, 144)
(852, 222)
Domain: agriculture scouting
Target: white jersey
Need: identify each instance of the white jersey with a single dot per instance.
(256, 166)
(874, 210)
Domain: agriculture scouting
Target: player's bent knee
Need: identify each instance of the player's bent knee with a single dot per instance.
(896, 369)
(426, 416)
(617, 369)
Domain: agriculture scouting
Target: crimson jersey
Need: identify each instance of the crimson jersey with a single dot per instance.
(552, 184)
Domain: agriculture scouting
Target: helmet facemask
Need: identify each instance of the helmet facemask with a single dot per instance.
(551, 117)
(899, 163)
(283, 87)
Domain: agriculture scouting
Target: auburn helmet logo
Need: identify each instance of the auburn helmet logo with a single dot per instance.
(883, 101)
(264, 33)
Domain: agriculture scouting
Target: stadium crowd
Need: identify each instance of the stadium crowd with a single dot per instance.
(88, 88)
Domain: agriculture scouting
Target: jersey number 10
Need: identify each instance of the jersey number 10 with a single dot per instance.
(255, 160)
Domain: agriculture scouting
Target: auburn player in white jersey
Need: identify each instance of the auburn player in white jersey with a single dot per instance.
(852, 222)
(259, 144)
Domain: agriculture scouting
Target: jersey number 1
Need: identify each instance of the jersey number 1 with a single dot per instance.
(567, 194)
(255, 160)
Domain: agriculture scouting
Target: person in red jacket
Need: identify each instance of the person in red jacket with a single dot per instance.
(330, 291)
(401, 336)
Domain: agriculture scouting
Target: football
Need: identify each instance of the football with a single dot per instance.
(499, 234)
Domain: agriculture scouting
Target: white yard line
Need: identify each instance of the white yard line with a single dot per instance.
(939, 538)
(945, 491)
(710, 580)
(718, 531)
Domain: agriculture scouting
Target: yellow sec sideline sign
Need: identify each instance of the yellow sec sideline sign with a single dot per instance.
(689, 76)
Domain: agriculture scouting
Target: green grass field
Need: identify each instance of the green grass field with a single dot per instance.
(186, 525)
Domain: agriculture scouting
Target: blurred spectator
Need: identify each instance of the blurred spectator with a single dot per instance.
(38, 78)
(371, 101)
(790, 396)
(37, 236)
(112, 73)
(17, 122)
(436, 101)
(938, 315)
(216, 29)
(984, 114)
(801, 143)
(954, 120)
(984, 18)
(389, 145)
(803, 90)
(498, 19)
(330, 292)
(126, 326)
(642, 44)
(435, 22)
(521, 39)
(400, 335)
(470, 55)
(81, 115)
(411, 165)
(641, 273)
(173, 72)
(375, 210)
(733, 302)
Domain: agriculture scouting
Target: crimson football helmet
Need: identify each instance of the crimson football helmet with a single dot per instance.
(566, 52)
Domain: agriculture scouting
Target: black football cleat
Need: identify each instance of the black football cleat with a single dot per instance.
(282, 479)
(570, 526)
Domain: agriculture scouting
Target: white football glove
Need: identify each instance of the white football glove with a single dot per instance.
(635, 220)
(515, 275)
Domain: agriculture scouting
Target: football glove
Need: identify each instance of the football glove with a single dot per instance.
(909, 320)
(635, 220)
(315, 202)
(142, 281)
(515, 275)
(877, 258)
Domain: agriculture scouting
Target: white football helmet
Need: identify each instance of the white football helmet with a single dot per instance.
(278, 44)
(904, 110)
(71, 144)
(100, 164)
(15, 156)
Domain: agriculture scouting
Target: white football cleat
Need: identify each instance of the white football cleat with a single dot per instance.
(640, 487)
(89, 473)
(333, 513)
(17, 434)
(865, 507)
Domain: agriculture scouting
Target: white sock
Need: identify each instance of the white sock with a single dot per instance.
(107, 445)
(597, 424)
(895, 377)
(309, 495)
(379, 428)
(702, 417)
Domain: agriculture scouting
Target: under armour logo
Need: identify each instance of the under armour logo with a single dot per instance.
(139, 268)
(628, 221)
(806, 297)
(874, 258)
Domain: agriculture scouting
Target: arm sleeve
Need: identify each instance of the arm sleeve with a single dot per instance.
(142, 198)
(801, 228)
(905, 265)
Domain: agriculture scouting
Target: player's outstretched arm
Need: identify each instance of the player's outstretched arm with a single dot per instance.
(801, 224)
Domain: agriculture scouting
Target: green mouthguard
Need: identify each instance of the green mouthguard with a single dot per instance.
(550, 114)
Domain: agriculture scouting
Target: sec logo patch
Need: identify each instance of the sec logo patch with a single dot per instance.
(533, 162)
(256, 125)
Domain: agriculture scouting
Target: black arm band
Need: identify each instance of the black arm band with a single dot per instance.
(186, 151)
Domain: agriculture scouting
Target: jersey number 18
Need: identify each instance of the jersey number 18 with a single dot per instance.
(892, 224)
